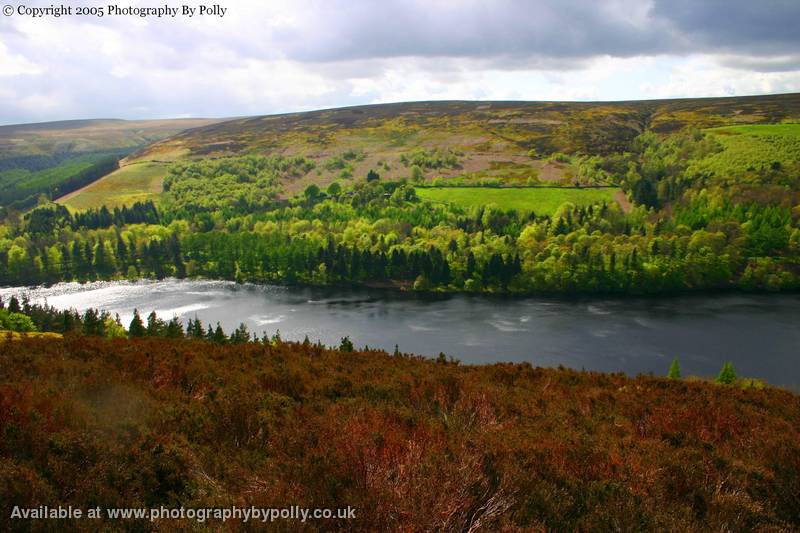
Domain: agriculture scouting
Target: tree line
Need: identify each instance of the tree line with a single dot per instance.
(716, 233)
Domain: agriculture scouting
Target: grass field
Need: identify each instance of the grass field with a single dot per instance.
(754, 147)
(540, 200)
(133, 183)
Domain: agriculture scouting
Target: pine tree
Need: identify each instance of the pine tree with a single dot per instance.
(346, 345)
(727, 376)
(218, 335)
(174, 329)
(674, 370)
(136, 328)
(240, 335)
(155, 326)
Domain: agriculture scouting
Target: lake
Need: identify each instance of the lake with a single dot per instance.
(758, 333)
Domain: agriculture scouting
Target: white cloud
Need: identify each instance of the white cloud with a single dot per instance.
(269, 57)
(707, 76)
(15, 64)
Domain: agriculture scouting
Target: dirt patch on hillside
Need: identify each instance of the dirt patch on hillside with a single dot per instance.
(552, 171)
(623, 202)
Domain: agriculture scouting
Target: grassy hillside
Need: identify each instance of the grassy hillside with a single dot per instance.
(508, 142)
(136, 182)
(478, 127)
(412, 444)
(55, 158)
(75, 136)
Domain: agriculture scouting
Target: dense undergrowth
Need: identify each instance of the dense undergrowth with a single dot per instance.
(412, 444)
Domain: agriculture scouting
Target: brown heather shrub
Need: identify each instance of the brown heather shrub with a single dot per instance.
(412, 444)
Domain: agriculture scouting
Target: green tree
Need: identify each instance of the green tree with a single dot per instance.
(174, 328)
(334, 189)
(136, 327)
(155, 326)
(346, 345)
(13, 305)
(218, 334)
(312, 192)
(16, 322)
(417, 176)
(727, 376)
(674, 370)
(113, 329)
(240, 335)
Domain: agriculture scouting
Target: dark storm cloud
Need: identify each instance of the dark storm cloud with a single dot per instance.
(470, 29)
(762, 63)
(543, 31)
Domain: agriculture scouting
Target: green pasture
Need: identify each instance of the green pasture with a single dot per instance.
(130, 184)
(540, 200)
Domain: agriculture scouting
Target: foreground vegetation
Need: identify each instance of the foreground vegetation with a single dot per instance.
(412, 444)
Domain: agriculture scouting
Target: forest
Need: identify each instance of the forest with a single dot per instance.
(690, 228)
(24, 179)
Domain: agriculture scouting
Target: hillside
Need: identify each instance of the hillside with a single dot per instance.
(524, 198)
(152, 422)
(495, 138)
(54, 158)
(75, 136)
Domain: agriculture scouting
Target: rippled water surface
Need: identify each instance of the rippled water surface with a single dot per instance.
(759, 333)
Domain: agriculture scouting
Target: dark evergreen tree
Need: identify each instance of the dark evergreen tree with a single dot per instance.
(136, 327)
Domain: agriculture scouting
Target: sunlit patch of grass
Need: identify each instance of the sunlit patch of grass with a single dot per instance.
(133, 183)
(540, 200)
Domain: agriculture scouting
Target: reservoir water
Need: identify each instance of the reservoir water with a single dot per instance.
(760, 334)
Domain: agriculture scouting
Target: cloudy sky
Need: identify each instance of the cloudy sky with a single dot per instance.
(270, 57)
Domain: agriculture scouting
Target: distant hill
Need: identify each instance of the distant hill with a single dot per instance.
(47, 138)
(508, 141)
(491, 137)
(55, 158)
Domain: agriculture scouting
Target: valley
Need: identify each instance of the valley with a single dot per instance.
(458, 267)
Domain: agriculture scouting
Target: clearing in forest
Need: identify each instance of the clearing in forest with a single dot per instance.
(130, 184)
(540, 200)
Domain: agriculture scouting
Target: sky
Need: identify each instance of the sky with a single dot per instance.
(265, 57)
